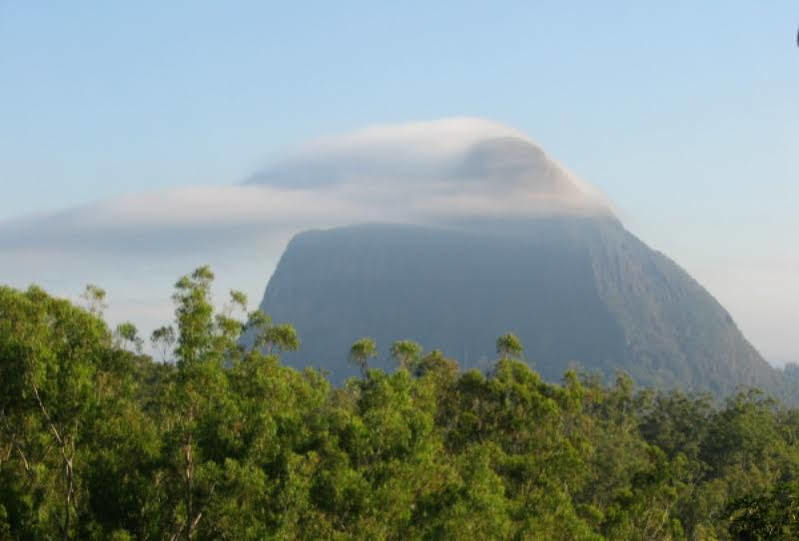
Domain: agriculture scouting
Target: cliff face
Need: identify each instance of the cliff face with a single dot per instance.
(577, 291)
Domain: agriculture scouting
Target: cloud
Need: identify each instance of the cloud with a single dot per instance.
(136, 246)
(413, 151)
(458, 166)
(174, 220)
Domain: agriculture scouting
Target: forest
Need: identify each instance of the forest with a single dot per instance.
(206, 438)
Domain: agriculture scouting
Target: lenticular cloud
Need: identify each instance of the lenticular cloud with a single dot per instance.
(405, 173)
(421, 173)
(436, 169)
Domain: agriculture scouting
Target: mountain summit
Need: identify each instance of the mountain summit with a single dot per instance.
(448, 169)
(514, 161)
(554, 266)
(520, 167)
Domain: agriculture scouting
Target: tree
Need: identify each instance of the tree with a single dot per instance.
(200, 411)
(360, 353)
(126, 333)
(282, 337)
(509, 346)
(49, 357)
(770, 516)
(163, 339)
(94, 297)
(406, 353)
(99, 442)
(194, 314)
(268, 336)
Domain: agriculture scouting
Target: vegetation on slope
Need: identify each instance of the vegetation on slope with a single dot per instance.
(98, 441)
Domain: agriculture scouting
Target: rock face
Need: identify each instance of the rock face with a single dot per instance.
(521, 245)
(578, 291)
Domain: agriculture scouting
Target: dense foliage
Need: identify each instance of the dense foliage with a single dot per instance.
(98, 441)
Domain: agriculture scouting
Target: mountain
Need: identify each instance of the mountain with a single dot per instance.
(567, 278)
(577, 291)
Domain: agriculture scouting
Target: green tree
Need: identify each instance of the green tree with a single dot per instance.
(774, 515)
(98, 442)
(201, 413)
(271, 337)
(94, 297)
(49, 352)
(406, 354)
(194, 314)
(361, 351)
(509, 346)
(163, 340)
(127, 334)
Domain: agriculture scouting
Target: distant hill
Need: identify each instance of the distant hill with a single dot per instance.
(578, 291)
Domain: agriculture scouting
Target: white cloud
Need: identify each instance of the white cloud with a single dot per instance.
(136, 246)
(431, 141)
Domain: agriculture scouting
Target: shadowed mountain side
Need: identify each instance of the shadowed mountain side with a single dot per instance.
(575, 290)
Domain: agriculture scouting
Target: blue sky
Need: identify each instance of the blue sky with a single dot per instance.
(684, 113)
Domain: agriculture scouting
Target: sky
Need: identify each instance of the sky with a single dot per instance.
(683, 114)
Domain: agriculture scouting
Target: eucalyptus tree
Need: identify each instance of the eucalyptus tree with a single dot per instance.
(94, 297)
(200, 410)
(406, 354)
(509, 346)
(361, 351)
(270, 337)
(127, 334)
(49, 356)
(163, 340)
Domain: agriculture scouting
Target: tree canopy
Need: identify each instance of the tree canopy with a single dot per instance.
(100, 441)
